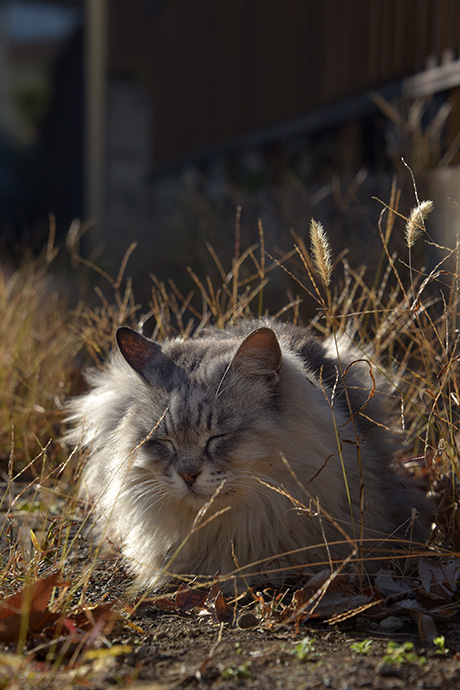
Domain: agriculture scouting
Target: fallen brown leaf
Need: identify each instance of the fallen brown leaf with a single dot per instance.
(28, 606)
(224, 613)
(426, 625)
(188, 598)
(438, 577)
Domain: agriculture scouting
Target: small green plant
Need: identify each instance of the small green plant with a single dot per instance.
(242, 671)
(363, 647)
(305, 649)
(440, 643)
(32, 507)
(402, 654)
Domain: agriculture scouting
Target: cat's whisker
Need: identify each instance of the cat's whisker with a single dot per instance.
(140, 498)
(220, 389)
(151, 504)
(148, 488)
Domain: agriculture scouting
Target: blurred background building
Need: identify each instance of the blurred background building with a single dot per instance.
(155, 119)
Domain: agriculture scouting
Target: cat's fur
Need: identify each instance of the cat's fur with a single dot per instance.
(255, 422)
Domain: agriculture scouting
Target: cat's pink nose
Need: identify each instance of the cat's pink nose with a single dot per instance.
(189, 477)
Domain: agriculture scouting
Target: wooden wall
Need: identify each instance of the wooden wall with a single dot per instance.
(217, 69)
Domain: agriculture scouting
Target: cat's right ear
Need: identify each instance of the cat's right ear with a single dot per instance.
(259, 353)
(138, 351)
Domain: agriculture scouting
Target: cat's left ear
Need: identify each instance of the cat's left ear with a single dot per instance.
(259, 353)
(137, 350)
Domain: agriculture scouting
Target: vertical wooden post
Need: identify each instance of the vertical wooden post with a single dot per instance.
(95, 71)
(3, 69)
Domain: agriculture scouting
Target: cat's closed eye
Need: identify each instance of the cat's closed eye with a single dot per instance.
(214, 441)
(160, 445)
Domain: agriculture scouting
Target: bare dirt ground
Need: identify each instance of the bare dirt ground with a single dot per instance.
(186, 652)
(190, 638)
(162, 647)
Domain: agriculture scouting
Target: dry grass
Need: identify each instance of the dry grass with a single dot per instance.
(407, 314)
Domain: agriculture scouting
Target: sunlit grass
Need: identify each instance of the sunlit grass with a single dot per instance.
(406, 315)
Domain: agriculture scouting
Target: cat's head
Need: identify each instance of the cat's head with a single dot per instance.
(207, 411)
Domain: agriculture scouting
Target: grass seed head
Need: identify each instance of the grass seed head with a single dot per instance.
(321, 250)
(415, 226)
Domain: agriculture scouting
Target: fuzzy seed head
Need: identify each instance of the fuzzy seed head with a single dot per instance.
(321, 251)
(415, 226)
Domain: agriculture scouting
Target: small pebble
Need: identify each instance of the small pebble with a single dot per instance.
(248, 620)
(388, 670)
(393, 623)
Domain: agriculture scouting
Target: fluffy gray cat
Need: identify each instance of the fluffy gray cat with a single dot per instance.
(245, 453)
